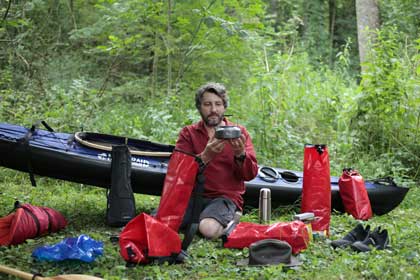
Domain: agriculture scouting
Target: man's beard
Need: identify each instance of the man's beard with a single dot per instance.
(213, 122)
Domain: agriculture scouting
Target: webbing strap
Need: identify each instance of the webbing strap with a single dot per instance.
(36, 275)
(36, 220)
(25, 142)
(197, 206)
(50, 220)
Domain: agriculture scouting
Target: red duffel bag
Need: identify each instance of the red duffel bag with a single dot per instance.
(244, 234)
(354, 195)
(316, 190)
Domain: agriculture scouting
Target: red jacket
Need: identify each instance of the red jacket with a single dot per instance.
(224, 177)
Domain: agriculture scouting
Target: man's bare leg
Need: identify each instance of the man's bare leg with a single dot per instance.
(210, 228)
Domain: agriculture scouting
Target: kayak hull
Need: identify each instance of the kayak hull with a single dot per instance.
(60, 156)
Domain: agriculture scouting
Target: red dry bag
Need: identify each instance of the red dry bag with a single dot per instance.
(147, 238)
(179, 183)
(354, 195)
(29, 221)
(316, 190)
(244, 234)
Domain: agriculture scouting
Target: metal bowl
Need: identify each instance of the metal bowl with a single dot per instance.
(227, 132)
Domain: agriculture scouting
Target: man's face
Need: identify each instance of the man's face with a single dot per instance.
(212, 109)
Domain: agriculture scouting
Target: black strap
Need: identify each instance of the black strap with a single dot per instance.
(16, 206)
(36, 220)
(50, 220)
(130, 253)
(197, 197)
(320, 148)
(25, 142)
(36, 275)
(36, 125)
(230, 227)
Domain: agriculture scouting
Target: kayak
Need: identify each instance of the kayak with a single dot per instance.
(85, 157)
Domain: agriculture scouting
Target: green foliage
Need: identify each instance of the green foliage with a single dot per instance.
(176, 48)
(388, 94)
(294, 104)
(404, 15)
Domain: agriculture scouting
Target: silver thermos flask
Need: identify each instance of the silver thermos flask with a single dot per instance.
(264, 206)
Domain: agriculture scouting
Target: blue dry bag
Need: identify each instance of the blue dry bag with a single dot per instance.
(81, 248)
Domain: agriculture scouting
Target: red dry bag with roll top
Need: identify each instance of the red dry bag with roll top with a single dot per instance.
(244, 234)
(145, 239)
(148, 239)
(316, 190)
(354, 195)
(177, 188)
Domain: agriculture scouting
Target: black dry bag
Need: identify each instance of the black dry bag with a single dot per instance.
(121, 206)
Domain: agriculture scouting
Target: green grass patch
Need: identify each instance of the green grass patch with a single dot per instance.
(84, 207)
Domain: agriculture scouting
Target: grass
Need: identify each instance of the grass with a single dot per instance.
(84, 207)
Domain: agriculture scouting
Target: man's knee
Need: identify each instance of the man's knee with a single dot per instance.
(210, 228)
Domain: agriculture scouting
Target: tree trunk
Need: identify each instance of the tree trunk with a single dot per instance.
(367, 13)
(155, 66)
(332, 14)
(73, 17)
(7, 10)
(169, 47)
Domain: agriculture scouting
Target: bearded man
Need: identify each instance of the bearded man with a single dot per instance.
(229, 162)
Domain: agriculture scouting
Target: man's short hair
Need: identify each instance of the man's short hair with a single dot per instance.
(215, 88)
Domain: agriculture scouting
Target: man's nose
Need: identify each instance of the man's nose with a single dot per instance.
(213, 107)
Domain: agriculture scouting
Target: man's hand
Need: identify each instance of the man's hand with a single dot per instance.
(238, 146)
(213, 147)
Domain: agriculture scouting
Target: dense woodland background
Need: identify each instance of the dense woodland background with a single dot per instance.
(292, 68)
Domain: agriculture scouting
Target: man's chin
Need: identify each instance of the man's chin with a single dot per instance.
(213, 122)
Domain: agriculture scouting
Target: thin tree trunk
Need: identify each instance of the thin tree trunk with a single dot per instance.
(332, 13)
(367, 13)
(155, 66)
(7, 10)
(169, 47)
(71, 8)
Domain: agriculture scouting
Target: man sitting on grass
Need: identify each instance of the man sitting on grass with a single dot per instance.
(229, 162)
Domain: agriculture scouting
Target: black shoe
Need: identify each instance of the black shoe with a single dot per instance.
(357, 234)
(377, 239)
